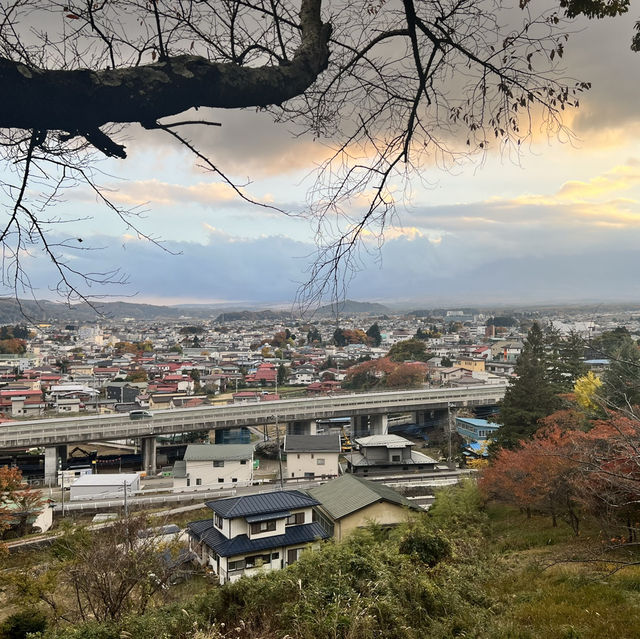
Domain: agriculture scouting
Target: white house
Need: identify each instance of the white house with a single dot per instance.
(255, 533)
(207, 466)
(310, 456)
(105, 486)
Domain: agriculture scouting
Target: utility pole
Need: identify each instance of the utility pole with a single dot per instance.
(279, 452)
(62, 499)
(449, 429)
(126, 505)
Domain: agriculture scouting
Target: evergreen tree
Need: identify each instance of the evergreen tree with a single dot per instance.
(373, 333)
(283, 375)
(565, 359)
(530, 397)
(313, 335)
(339, 338)
(621, 381)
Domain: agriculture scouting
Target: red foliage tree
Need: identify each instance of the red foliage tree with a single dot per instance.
(18, 501)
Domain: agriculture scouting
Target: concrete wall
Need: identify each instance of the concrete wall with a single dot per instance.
(300, 463)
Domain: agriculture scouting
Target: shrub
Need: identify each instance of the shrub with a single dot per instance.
(20, 624)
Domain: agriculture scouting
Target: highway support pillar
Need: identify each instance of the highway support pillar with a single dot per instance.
(149, 455)
(379, 424)
(53, 456)
(359, 426)
(302, 427)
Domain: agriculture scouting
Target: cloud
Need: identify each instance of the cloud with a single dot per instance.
(138, 193)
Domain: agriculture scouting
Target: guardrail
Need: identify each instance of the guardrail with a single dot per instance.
(49, 432)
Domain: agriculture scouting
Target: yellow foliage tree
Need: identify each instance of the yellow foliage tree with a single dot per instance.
(586, 390)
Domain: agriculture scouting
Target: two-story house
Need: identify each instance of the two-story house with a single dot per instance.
(207, 466)
(387, 454)
(255, 533)
(311, 456)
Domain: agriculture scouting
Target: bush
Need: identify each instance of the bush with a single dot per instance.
(429, 548)
(22, 623)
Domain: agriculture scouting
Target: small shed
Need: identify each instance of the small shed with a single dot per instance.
(105, 486)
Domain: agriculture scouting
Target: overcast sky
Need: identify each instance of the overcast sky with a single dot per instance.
(561, 224)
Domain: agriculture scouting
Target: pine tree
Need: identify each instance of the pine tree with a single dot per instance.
(530, 397)
(621, 381)
(373, 333)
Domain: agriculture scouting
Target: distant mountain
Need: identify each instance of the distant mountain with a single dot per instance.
(43, 311)
(350, 307)
(252, 316)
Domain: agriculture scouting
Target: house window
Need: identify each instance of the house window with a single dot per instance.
(309, 475)
(298, 455)
(293, 554)
(198, 482)
(263, 526)
(256, 560)
(296, 519)
(320, 461)
(236, 565)
(312, 455)
(275, 555)
(221, 480)
(243, 462)
(395, 458)
(218, 463)
(234, 479)
(188, 482)
(218, 521)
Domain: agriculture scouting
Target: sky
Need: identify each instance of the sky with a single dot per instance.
(560, 223)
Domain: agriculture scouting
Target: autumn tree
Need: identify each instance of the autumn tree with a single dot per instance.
(587, 391)
(391, 85)
(19, 502)
(103, 575)
(137, 376)
(538, 474)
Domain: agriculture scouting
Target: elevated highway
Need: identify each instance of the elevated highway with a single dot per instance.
(57, 432)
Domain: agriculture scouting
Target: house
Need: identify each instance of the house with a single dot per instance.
(255, 533)
(387, 454)
(349, 502)
(207, 466)
(90, 487)
(311, 455)
(475, 430)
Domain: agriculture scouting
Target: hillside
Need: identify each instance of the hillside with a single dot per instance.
(350, 307)
(463, 570)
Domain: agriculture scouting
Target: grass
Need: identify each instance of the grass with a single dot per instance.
(539, 596)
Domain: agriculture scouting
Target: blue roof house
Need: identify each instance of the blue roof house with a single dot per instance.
(475, 430)
(255, 533)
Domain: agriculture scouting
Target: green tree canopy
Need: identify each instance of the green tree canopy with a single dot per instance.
(530, 397)
(373, 333)
(409, 350)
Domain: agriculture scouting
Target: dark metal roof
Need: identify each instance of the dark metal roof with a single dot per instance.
(205, 532)
(312, 443)
(276, 501)
(252, 519)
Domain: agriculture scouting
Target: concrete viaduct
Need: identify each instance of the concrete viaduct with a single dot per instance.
(368, 413)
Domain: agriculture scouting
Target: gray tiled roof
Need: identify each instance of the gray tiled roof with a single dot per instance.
(312, 443)
(347, 494)
(218, 452)
(279, 500)
(241, 545)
